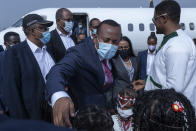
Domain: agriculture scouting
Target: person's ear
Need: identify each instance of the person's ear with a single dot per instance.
(58, 21)
(164, 19)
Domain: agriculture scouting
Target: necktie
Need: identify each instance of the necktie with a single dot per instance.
(108, 75)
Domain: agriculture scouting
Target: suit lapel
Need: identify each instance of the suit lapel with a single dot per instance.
(134, 64)
(120, 66)
(32, 60)
(58, 42)
(145, 59)
(51, 54)
(98, 65)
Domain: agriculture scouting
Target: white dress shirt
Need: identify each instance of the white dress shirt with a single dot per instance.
(43, 58)
(150, 60)
(66, 39)
(175, 67)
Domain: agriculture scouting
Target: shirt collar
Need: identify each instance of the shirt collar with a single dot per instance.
(34, 47)
(61, 34)
(154, 52)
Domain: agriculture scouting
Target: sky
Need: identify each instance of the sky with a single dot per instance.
(12, 10)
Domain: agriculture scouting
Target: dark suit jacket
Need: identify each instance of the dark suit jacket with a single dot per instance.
(82, 41)
(1, 48)
(82, 68)
(24, 84)
(2, 54)
(56, 46)
(142, 64)
(123, 79)
(7, 124)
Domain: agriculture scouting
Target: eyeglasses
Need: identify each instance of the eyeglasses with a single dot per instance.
(154, 19)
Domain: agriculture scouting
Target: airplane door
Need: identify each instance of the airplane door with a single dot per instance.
(77, 18)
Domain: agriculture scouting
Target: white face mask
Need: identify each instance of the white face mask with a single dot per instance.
(151, 47)
(125, 113)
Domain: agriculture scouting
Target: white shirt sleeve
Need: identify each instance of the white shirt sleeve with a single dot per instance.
(177, 57)
(58, 95)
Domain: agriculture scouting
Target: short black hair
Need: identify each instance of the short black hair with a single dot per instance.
(8, 35)
(91, 21)
(108, 22)
(59, 13)
(125, 38)
(152, 36)
(171, 7)
(93, 118)
(153, 111)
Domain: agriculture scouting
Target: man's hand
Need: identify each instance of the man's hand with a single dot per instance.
(2, 112)
(138, 84)
(62, 110)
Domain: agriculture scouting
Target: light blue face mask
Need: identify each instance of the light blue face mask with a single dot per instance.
(94, 32)
(107, 51)
(68, 26)
(80, 26)
(46, 37)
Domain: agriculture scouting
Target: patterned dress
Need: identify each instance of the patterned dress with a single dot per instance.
(120, 125)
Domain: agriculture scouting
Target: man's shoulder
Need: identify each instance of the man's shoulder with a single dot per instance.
(53, 31)
(83, 48)
(17, 48)
(181, 42)
(19, 45)
(142, 52)
(2, 53)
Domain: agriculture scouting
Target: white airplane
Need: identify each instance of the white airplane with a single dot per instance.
(136, 23)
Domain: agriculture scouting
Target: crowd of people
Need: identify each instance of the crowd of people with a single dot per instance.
(97, 83)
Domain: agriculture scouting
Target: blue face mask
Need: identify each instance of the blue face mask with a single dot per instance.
(68, 26)
(80, 26)
(107, 51)
(94, 32)
(46, 37)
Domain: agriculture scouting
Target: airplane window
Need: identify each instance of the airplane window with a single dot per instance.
(182, 25)
(18, 23)
(192, 26)
(130, 27)
(152, 27)
(141, 27)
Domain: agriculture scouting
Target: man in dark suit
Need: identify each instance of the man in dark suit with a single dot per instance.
(25, 67)
(146, 57)
(60, 37)
(88, 71)
(10, 39)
